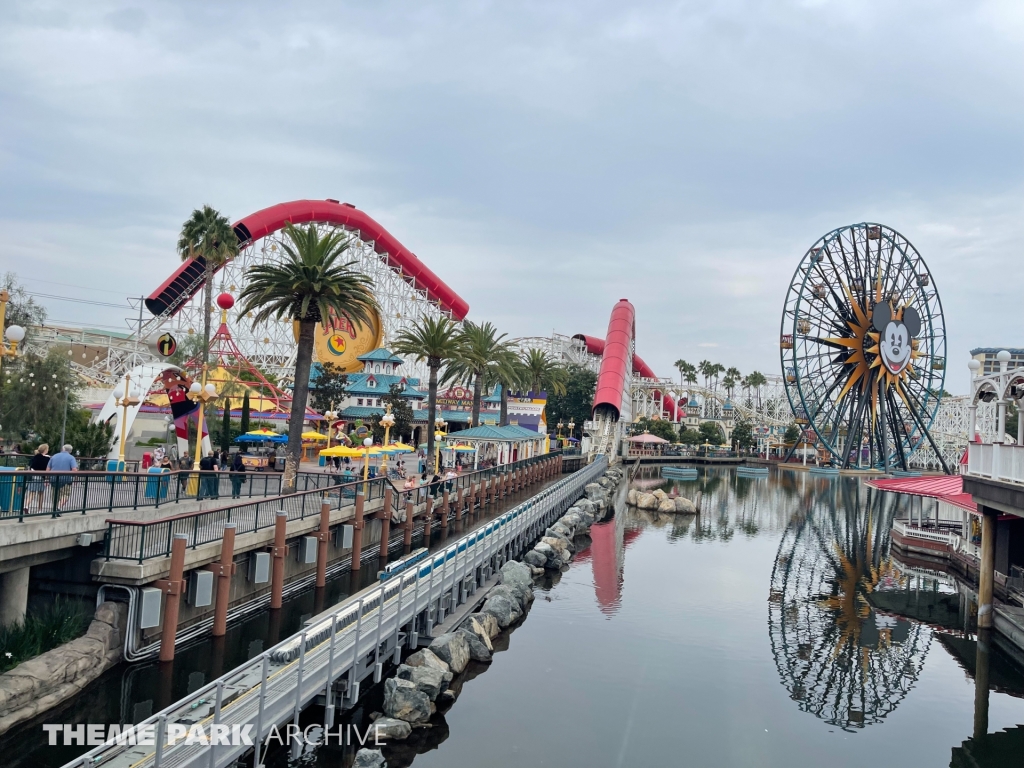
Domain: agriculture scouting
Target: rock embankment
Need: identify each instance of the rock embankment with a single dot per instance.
(556, 547)
(659, 501)
(423, 684)
(38, 684)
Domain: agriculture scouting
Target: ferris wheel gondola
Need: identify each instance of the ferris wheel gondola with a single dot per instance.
(863, 346)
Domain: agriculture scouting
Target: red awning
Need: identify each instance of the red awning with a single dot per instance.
(948, 488)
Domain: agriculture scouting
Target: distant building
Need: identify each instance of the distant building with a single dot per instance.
(987, 357)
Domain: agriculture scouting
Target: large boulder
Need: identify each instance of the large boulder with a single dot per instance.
(594, 491)
(553, 534)
(647, 501)
(557, 544)
(426, 657)
(560, 529)
(666, 505)
(404, 701)
(389, 729)
(370, 758)
(552, 559)
(685, 505)
(477, 650)
(606, 482)
(520, 596)
(488, 622)
(473, 625)
(659, 494)
(515, 572)
(430, 680)
(502, 608)
(535, 558)
(586, 505)
(453, 649)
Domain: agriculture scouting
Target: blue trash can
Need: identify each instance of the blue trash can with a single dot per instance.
(156, 486)
(113, 467)
(12, 490)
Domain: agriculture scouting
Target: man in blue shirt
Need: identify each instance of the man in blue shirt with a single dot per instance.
(62, 462)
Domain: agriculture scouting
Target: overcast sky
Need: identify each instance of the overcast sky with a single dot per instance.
(544, 158)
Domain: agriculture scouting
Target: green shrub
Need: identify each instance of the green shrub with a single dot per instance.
(59, 622)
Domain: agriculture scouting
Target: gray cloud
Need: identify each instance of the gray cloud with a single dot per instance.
(544, 159)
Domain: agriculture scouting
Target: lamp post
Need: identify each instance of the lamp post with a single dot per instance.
(124, 403)
(14, 335)
(64, 424)
(572, 428)
(388, 420)
(201, 393)
(367, 444)
(439, 435)
(331, 417)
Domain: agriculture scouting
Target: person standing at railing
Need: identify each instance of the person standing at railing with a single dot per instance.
(237, 475)
(63, 462)
(36, 485)
(207, 477)
(184, 464)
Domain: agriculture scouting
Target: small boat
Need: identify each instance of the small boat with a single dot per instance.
(751, 471)
(902, 473)
(679, 473)
(824, 471)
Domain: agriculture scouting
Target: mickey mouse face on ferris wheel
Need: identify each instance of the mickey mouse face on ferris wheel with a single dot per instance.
(894, 339)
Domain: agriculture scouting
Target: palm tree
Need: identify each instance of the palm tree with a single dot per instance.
(435, 340)
(691, 377)
(734, 373)
(507, 371)
(480, 347)
(717, 369)
(207, 236)
(310, 284)
(681, 365)
(728, 382)
(705, 367)
(544, 373)
(757, 380)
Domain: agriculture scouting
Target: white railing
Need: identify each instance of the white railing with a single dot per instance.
(913, 532)
(996, 461)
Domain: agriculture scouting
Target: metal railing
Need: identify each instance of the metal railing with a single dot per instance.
(92, 463)
(141, 540)
(996, 461)
(914, 532)
(51, 494)
(350, 643)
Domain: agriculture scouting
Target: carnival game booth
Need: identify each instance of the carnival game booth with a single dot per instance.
(499, 445)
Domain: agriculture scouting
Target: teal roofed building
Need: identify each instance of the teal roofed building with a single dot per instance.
(368, 388)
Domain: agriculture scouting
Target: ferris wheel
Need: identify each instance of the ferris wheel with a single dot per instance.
(863, 346)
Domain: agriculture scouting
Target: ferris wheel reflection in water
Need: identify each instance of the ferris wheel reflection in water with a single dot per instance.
(839, 657)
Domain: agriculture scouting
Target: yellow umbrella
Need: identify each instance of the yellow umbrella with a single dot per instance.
(264, 432)
(341, 450)
(402, 447)
(344, 450)
(311, 435)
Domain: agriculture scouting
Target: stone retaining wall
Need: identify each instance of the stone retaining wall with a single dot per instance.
(38, 684)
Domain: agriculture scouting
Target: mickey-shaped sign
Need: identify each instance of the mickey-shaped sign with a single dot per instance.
(894, 337)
